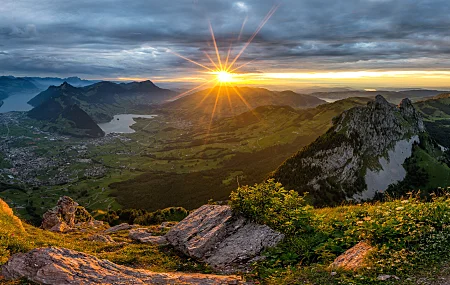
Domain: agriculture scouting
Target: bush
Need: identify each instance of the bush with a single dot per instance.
(269, 203)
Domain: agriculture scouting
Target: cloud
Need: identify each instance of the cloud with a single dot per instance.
(107, 38)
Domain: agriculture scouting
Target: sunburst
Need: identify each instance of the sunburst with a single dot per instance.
(224, 72)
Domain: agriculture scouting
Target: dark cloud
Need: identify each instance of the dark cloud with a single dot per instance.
(112, 38)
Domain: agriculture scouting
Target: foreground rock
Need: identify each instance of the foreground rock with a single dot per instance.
(227, 242)
(354, 258)
(144, 236)
(61, 266)
(65, 216)
(121, 227)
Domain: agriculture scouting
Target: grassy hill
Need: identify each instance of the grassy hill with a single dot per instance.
(202, 164)
(436, 113)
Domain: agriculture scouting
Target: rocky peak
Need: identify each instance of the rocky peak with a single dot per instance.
(333, 168)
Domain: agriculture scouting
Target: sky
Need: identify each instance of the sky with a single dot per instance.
(362, 44)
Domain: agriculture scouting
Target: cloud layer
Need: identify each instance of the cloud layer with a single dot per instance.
(111, 38)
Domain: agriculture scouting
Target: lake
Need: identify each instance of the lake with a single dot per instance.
(17, 102)
(122, 123)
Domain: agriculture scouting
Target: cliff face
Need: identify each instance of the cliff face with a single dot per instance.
(334, 167)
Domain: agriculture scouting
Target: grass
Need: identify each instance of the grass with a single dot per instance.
(410, 236)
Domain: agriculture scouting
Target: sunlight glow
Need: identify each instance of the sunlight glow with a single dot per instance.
(224, 77)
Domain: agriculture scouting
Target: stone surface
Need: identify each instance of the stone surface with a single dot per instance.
(121, 227)
(144, 236)
(101, 238)
(213, 234)
(59, 266)
(64, 215)
(353, 258)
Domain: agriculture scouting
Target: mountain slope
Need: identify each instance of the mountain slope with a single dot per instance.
(64, 116)
(349, 160)
(436, 114)
(105, 99)
(231, 101)
(243, 149)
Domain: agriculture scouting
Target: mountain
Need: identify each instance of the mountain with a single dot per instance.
(362, 153)
(10, 85)
(44, 82)
(63, 116)
(436, 114)
(105, 99)
(391, 96)
(231, 101)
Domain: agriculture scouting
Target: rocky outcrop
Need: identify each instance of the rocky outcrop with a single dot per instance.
(332, 168)
(101, 238)
(59, 266)
(143, 235)
(65, 216)
(121, 227)
(354, 258)
(223, 240)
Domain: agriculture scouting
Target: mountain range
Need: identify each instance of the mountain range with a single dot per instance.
(232, 101)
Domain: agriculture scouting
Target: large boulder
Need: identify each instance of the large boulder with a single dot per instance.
(60, 266)
(65, 215)
(227, 242)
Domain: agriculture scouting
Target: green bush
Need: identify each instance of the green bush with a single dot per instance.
(269, 203)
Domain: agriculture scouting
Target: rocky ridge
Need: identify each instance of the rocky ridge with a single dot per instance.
(332, 168)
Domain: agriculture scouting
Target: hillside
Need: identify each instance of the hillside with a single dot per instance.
(64, 116)
(238, 150)
(105, 99)
(436, 114)
(231, 101)
(362, 154)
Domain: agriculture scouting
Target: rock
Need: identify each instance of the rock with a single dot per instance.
(227, 242)
(60, 266)
(353, 258)
(64, 216)
(121, 227)
(101, 238)
(144, 236)
(387, 277)
(166, 225)
(60, 227)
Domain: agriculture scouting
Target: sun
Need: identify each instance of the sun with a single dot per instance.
(224, 76)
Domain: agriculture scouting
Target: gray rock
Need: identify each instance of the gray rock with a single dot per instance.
(227, 242)
(121, 227)
(101, 238)
(60, 266)
(144, 236)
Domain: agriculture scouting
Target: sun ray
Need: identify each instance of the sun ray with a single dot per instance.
(192, 61)
(242, 65)
(207, 94)
(250, 108)
(214, 109)
(189, 91)
(229, 100)
(215, 45)
(228, 56)
(261, 25)
(210, 59)
(242, 28)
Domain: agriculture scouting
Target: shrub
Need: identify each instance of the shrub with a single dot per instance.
(269, 203)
